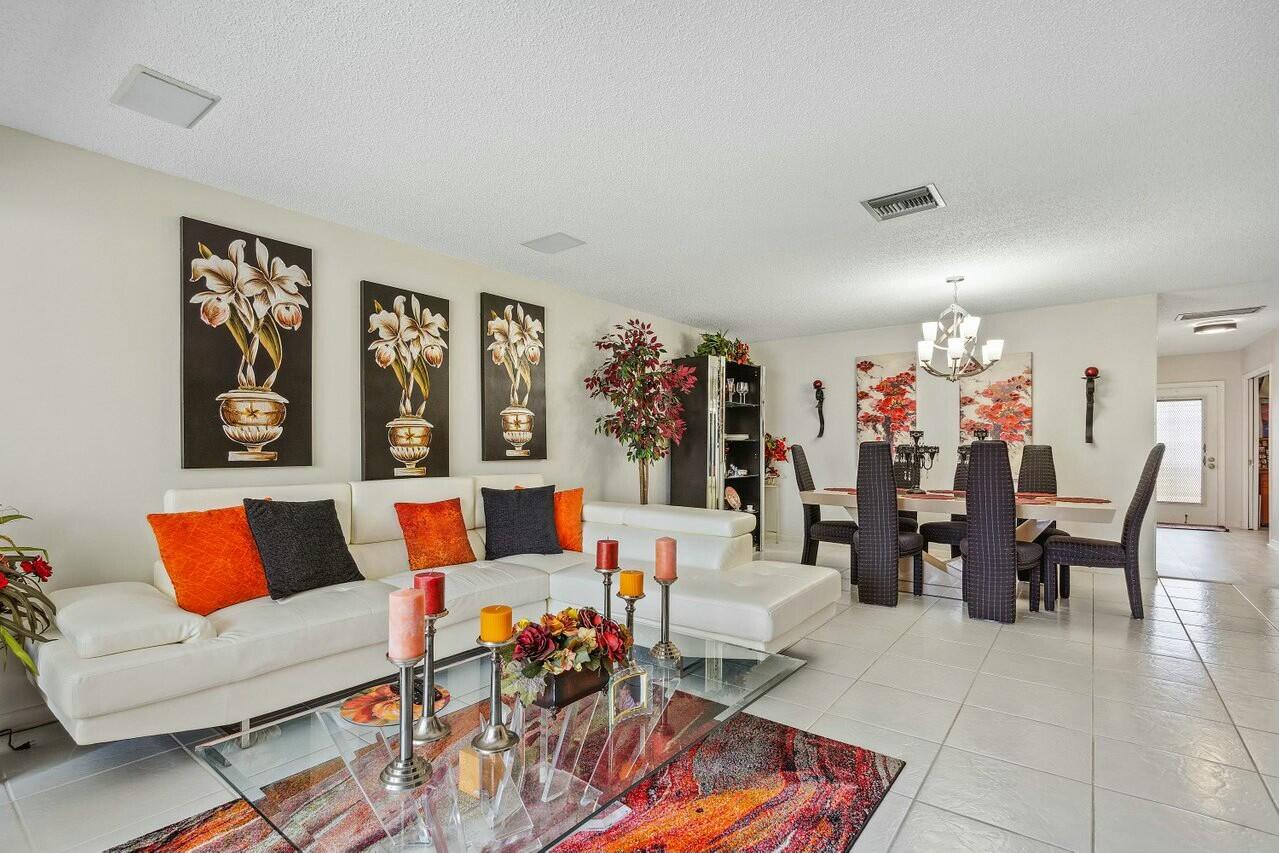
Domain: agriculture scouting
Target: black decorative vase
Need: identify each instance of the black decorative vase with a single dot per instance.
(566, 688)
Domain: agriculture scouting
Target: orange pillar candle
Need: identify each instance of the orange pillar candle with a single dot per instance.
(631, 583)
(495, 623)
(665, 559)
(407, 619)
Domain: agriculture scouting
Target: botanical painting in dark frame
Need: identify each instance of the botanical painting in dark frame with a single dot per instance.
(246, 303)
(404, 383)
(512, 379)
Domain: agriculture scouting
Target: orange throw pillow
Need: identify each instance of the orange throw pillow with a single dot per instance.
(435, 534)
(210, 557)
(568, 519)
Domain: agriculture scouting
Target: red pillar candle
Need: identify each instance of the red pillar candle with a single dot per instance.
(665, 559)
(606, 554)
(431, 583)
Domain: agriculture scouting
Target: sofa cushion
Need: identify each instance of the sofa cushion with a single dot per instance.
(210, 557)
(520, 521)
(373, 503)
(552, 563)
(435, 534)
(470, 586)
(568, 518)
(500, 481)
(119, 617)
(697, 551)
(187, 500)
(301, 545)
(755, 601)
(672, 519)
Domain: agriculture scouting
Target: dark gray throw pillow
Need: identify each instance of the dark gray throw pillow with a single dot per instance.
(301, 545)
(519, 521)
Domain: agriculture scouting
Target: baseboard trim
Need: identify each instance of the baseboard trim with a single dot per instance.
(26, 718)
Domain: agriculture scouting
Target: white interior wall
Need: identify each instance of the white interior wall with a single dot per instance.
(89, 298)
(1259, 354)
(1227, 368)
(1117, 336)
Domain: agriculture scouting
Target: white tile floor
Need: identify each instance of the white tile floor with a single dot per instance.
(1079, 730)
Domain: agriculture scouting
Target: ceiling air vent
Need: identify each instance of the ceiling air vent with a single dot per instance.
(908, 201)
(1212, 315)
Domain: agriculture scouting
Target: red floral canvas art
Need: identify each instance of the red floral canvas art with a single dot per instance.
(1000, 402)
(885, 389)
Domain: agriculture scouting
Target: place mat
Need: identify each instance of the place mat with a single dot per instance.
(930, 496)
(754, 786)
(1062, 500)
(380, 706)
(1036, 495)
(842, 489)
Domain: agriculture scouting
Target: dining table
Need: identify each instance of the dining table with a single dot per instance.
(1037, 509)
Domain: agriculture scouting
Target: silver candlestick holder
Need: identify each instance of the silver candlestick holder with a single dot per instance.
(495, 737)
(665, 650)
(429, 727)
(409, 770)
(608, 590)
(630, 610)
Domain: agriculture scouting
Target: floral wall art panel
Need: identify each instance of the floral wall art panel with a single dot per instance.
(512, 378)
(246, 349)
(885, 388)
(1000, 402)
(404, 383)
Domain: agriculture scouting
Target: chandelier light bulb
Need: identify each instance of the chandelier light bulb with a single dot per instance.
(925, 350)
(955, 349)
(993, 350)
(968, 328)
(930, 331)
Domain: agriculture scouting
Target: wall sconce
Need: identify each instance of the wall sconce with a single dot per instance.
(1090, 388)
(819, 391)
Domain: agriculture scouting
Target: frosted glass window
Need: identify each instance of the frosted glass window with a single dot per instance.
(1180, 426)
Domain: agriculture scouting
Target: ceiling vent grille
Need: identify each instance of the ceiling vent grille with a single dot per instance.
(1187, 316)
(902, 203)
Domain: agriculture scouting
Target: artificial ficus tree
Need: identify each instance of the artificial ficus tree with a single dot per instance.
(644, 390)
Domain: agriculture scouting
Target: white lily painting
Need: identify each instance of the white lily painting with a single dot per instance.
(251, 296)
(514, 397)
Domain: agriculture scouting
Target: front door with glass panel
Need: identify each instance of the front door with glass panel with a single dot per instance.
(1187, 422)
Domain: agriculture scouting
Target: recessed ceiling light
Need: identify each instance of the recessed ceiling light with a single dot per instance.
(554, 243)
(1216, 327)
(160, 96)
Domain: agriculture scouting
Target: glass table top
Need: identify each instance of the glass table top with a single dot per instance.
(314, 775)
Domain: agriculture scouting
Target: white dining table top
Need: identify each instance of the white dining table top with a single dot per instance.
(1045, 507)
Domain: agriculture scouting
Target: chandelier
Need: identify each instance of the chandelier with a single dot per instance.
(955, 335)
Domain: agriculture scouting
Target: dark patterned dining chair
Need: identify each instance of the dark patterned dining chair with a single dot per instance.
(993, 558)
(879, 542)
(1103, 553)
(815, 529)
(949, 532)
(907, 520)
(1038, 473)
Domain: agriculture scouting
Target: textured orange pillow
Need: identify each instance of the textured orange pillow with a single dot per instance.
(435, 534)
(568, 519)
(210, 557)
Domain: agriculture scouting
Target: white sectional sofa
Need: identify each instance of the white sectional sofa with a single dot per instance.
(127, 662)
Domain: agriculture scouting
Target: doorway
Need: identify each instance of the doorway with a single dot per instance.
(1189, 422)
(1257, 438)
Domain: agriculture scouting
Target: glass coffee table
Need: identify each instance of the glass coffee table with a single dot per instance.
(313, 775)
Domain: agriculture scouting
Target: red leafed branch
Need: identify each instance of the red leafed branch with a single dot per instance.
(643, 390)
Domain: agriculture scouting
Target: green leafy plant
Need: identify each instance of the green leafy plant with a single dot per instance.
(719, 343)
(26, 613)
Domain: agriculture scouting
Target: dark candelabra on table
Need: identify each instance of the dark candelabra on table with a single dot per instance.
(915, 459)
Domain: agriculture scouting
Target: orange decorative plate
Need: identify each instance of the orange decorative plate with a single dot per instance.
(380, 706)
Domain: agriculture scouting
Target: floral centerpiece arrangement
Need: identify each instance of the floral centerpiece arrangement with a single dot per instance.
(25, 611)
(719, 343)
(644, 391)
(570, 642)
(775, 450)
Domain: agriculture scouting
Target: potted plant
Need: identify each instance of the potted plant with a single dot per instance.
(25, 611)
(256, 303)
(516, 345)
(409, 343)
(775, 450)
(563, 657)
(644, 391)
(718, 343)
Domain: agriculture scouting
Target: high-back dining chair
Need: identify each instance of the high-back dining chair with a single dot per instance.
(1103, 553)
(1038, 473)
(992, 555)
(949, 532)
(815, 529)
(879, 541)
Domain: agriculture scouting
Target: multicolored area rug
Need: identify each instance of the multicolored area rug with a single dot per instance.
(753, 786)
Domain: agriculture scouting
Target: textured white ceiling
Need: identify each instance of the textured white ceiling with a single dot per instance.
(1180, 339)
(713, 155)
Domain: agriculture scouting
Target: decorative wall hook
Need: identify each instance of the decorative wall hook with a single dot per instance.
(1090, 388)
(819, 391)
